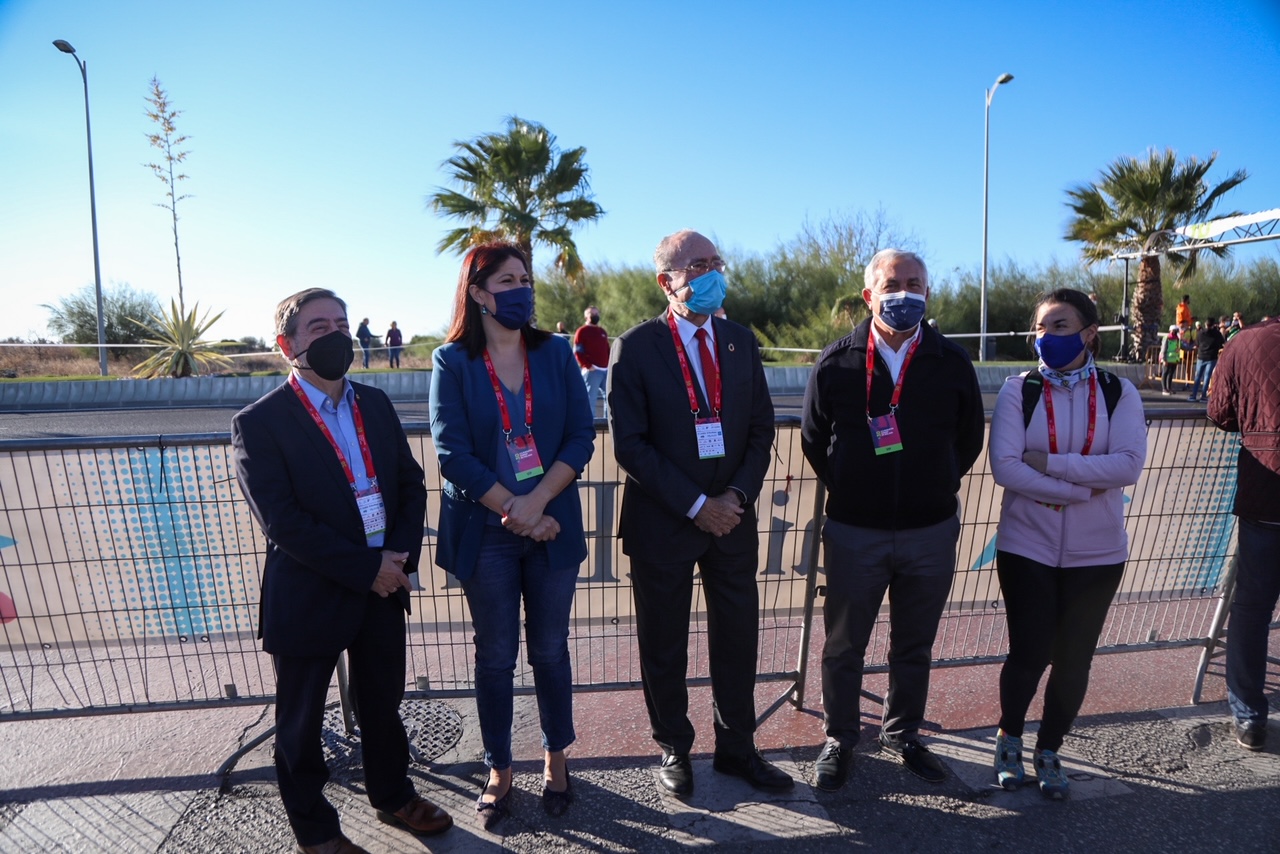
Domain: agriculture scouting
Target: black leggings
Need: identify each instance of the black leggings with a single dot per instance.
(1055, 615)
(1166, 381)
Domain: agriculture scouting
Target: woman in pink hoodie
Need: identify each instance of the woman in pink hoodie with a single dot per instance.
(1061, 543)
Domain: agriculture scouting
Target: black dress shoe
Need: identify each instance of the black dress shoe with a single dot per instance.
(755, 770)
(918, 759)
(675, 774)
(832, 766)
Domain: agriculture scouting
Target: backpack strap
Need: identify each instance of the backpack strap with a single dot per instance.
(1111, 390)
(1033, 387)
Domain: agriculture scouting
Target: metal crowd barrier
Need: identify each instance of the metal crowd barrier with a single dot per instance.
(129, 574)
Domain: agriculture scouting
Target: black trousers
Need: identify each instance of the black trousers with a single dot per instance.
(914, 567)
(1055, 616)
(663, 596)
(376, 669)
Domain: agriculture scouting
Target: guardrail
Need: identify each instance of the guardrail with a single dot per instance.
(129, 574)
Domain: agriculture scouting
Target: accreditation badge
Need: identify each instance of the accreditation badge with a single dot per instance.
(885, 437)
(525, 461)
(710, 438)
(372, 511)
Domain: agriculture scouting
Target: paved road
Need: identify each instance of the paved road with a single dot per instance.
(172, 422)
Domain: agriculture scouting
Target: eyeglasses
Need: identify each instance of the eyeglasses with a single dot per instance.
(699, 267)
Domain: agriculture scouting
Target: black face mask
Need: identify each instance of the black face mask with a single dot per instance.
(330, 355)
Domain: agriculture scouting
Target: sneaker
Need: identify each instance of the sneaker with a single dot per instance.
(1053, 783)
(1008, 762)
(1166, 393)
(1251, 736)
(1192, 399)
(832, 766)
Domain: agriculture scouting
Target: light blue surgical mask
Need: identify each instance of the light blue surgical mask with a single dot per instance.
(707, 292)
(902, 310)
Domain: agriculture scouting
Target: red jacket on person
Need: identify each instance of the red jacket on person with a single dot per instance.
(591, 346)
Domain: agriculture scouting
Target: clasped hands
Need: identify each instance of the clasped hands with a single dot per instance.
(522, 515)
(720, 514)
(391, 575)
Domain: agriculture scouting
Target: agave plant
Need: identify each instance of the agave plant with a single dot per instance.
(182, 352)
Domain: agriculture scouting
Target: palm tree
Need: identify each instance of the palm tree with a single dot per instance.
(1135, 206)
(519, 186)
(182, 352)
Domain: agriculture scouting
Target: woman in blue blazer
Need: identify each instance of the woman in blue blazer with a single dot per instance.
(513, 431)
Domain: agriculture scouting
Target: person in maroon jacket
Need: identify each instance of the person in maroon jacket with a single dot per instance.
(591, 349)
(1246, 399)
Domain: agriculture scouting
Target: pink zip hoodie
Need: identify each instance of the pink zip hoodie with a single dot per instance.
(1087, 530)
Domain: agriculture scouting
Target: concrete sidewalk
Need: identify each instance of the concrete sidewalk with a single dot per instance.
(1145, 777)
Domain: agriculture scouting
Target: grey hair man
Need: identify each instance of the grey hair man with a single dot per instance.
(892, 419)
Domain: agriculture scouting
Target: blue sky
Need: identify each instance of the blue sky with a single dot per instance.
(318, 128)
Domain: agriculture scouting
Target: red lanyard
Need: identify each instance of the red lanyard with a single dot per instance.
(1093, 416)
(712, 383)
(324, 428)
(502, 398)
(871, 366)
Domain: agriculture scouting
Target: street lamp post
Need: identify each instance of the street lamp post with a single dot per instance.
(986, 159)
(66, 47)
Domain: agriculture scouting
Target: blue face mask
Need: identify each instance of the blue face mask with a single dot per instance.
(902, 311)
(1058, 351)
(513, 308)
(707, 292)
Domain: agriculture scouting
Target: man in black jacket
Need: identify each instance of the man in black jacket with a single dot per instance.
(1208, 347)
(892, 420)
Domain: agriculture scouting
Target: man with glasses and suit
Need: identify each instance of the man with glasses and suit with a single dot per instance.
(692, 426)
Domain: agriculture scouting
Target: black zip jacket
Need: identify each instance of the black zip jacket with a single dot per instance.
(940, 421)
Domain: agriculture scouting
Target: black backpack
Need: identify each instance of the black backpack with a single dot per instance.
(1033, 387)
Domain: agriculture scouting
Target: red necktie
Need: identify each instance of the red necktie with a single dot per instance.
(708, 363)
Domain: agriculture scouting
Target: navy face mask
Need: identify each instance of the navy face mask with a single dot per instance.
(513, 308)
(1058, 351)
(902, 311)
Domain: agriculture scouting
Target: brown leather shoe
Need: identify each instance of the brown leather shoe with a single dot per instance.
(420, 817)
(338, 845)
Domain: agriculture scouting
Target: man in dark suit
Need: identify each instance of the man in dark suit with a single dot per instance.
(692, 426)
(328, 473)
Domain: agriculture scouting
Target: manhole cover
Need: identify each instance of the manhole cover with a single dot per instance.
(433, 728)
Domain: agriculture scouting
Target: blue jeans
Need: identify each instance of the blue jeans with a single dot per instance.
(1204, 370)
(364, 350)
(1257, 589)
(595, 386)
(393, 356)
(509, 568)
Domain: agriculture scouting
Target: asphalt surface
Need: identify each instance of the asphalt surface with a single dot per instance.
(1167, 779)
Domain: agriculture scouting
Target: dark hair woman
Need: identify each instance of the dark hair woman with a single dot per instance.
(1061, 539)
(512, 432)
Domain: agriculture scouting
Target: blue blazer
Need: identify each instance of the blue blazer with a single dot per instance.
(467, 429)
